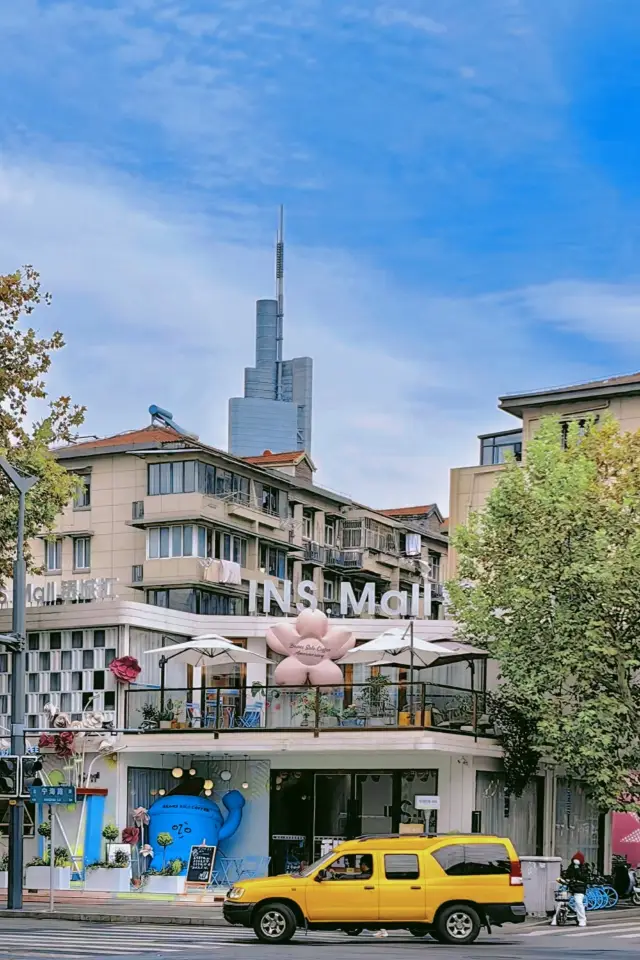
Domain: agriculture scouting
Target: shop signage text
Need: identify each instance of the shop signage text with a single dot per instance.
(426, 802)
(64, 591)
(401, 603)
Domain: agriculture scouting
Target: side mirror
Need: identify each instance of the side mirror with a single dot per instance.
(321, 875)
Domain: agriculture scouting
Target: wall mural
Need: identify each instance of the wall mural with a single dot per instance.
(310, 645)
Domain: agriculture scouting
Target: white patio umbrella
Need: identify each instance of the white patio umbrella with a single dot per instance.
(211, 649)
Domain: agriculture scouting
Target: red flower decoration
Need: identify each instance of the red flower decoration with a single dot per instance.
(130, 835)
(125, 669)
(46, 740)
(63, 743)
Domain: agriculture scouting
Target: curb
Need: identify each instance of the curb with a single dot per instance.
(113, 918)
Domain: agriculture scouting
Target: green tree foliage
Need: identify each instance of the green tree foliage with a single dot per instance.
(549, 582)
(25, 359)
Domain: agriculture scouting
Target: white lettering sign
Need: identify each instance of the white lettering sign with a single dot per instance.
(425, 802)
(395, 603)
(63, 591)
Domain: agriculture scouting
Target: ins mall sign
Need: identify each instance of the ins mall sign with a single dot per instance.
(64, 591)
(393, 603)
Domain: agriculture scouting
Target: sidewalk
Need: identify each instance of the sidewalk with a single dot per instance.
(134, 910)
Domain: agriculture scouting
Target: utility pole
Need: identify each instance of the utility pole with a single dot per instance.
(16, 643)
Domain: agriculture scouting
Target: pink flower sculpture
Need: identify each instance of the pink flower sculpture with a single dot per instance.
(126, 669)
(310, 645)
(131, 835)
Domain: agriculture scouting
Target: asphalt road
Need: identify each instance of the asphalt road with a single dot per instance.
(608, 937)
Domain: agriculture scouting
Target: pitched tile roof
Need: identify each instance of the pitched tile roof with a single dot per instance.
(408, 511)
(150, 434)
(291, 458)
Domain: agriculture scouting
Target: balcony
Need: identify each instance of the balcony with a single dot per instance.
(344, 559)
(215, 710)
(314, 553)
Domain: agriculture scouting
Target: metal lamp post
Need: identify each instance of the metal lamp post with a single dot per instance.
(15, 642)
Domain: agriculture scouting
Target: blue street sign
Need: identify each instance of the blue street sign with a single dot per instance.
(64, 794)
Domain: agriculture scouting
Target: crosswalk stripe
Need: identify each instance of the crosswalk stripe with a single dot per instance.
(601, 931)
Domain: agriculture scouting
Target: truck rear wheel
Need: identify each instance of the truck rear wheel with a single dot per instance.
(458, 924)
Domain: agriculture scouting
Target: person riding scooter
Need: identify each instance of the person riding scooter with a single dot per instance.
(576, 878)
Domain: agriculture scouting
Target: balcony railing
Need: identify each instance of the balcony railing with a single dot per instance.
(314, 553)
(320, 709)
(345, 559)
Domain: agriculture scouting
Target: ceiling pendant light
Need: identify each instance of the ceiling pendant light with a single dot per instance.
(161, 791)
(192, 771)
(207, 793)
(177, 772)
(208, 786)
(245, 782)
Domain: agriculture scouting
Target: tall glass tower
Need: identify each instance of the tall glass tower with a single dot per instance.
(275, 412)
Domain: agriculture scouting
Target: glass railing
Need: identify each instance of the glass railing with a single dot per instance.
(356, 706)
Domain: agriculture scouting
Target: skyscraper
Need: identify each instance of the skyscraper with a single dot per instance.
(275, 412)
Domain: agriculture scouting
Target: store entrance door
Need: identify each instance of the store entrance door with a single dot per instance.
(349, 805)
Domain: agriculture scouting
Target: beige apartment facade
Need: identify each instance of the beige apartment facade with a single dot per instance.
(470, 486)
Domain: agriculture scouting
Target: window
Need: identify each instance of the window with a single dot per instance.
(434, 567)
(34, 641)
(55, 641)
(76, 680)
(87, 700)
(66, 660)
(471, 860)
(98, 679)
(137, 573)
(352, 534)
(179, 541)
(307, 524)
(232, 547)
(76, 639)
(33, 682)
(81, 553)
(45, 660)
(493, 450)
(271, 500)
(176, 477)
(351, 866)
(329, 590)
(87, 659)
(54, 682)
(82, 498)
(330, 533)
(53, 555)
(273, 561)
(110, 700)
(137, 510)
(98, 638)
(109, 655)
(4, 663)
(401, 866)
(65, 702)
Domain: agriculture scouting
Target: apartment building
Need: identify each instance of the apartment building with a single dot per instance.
(470, 486)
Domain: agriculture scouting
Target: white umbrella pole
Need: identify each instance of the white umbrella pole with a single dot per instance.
(411, 656)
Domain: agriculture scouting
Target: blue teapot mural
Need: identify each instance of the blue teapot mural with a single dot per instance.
(191, 820)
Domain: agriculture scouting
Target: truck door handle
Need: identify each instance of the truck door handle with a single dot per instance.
(416, 888)
(369, 888)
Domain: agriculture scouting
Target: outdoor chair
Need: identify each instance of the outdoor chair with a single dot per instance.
(253, 867)
(251, 717)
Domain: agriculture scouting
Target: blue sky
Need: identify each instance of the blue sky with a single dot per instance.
(461, 183)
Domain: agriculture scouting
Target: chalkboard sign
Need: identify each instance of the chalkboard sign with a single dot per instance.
(201, 860)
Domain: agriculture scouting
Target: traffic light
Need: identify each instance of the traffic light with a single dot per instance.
(9, 777)
(30, 774)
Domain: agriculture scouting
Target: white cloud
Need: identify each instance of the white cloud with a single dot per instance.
(389, 16)
(598, 311)
(158, 307)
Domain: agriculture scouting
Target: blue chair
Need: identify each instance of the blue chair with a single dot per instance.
(253, 867)
(251, 717)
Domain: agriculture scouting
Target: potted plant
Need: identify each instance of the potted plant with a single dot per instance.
(109, 876)
(350, 717)
(38, 873)
(375, 701)
(305, 707)
(150, 717)
(4, 871)
(169, 879)
(176, 722)
(166, 715)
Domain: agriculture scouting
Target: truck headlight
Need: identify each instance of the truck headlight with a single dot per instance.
(235, 893)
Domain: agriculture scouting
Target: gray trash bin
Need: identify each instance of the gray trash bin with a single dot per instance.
(539, 875)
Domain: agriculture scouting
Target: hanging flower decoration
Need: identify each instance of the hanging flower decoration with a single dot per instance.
(130, 835)
(140, 816)
(46, 741)
(63, 744)
(146, 850)
(61, 720)
(125, 669)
